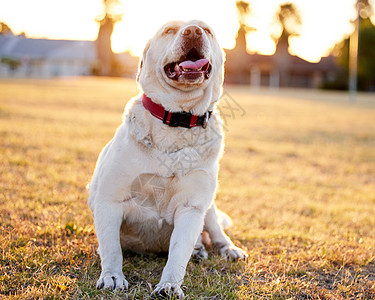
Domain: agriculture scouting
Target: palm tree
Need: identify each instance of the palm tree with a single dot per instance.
(4, 29)
(107, 61)
(243, 11)
(288, 18)
(365, 9)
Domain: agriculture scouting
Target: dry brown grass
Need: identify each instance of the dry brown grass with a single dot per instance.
(298, 178)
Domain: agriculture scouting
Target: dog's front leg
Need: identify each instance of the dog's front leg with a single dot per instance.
(108, 219)
(188, 224)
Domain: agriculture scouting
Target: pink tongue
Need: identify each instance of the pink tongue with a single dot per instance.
(194, 65)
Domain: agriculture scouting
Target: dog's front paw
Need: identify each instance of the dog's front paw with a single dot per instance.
(112, 282)
(168, 289)
(232, 252)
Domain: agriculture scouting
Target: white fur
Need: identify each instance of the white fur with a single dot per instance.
(153, 188)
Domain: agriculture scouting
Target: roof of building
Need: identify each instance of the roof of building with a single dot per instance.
(17, 47)
(294, 63)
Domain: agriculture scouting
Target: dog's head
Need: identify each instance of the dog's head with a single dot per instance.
(182, 67)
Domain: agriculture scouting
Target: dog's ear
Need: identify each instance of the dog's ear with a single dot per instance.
(142, 59)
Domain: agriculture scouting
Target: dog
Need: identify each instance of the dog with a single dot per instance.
(154, 183)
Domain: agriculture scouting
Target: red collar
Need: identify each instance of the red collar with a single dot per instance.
(178, 119)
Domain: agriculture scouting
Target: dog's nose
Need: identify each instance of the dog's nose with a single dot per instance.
(192, 32)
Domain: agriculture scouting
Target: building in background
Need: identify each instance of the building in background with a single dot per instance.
(279, 70)
(23, 57)
(43, 58)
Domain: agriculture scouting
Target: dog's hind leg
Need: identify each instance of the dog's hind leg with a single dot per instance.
(199, 251)
(215, 221)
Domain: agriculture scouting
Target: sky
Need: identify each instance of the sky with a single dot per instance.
(324, 22)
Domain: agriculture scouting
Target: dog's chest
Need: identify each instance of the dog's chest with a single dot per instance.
(148, 211)
(149, 199)
(178, 154)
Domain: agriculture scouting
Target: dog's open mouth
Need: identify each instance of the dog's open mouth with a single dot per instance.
(190, 68)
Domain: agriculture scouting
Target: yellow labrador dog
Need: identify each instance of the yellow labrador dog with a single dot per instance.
(154, 184)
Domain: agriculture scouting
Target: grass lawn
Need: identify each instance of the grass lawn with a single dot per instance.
(297, 177)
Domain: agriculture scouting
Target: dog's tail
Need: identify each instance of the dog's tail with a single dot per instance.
(224, 220)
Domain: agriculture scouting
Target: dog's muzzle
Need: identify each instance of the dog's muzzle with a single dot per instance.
(192, 65)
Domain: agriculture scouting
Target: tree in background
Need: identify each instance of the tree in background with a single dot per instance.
(366, 52)
(5, 29)
(13, 64)
(108, 65)
(243, 12)
(237, 59)
(288, 20)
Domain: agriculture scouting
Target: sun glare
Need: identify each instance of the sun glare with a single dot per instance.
(321, 27)
(324, 23)
(134, 31)
(68, 19)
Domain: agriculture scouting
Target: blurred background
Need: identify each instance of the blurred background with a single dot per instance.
(297, 176)
(269, 43)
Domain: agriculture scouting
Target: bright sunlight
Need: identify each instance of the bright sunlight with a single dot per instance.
(324, 23)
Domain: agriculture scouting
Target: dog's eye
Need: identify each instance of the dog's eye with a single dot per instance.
(208, 31)
(170, 30)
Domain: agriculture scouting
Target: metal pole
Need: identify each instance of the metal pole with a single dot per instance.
(353, 59)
